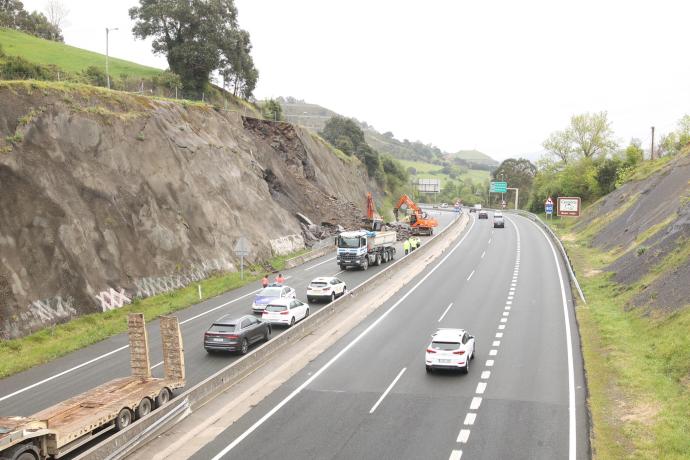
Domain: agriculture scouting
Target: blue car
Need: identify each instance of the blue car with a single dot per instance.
(270, 293)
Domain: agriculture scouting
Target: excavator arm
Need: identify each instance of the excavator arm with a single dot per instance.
(418, 219)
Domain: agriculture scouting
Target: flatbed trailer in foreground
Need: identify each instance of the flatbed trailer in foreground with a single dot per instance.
(58, 430)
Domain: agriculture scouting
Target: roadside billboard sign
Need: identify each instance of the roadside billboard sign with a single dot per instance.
(429, 185)
(568, 206)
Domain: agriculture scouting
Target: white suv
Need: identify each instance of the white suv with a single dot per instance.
(450, 349)
(325, 288)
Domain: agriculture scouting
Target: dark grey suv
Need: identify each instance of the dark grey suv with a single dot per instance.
(235, 334)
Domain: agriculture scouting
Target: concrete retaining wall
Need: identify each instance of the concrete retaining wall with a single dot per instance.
(124, 442)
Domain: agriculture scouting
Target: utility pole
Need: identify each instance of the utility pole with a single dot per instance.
(651, 153)
(107, 72)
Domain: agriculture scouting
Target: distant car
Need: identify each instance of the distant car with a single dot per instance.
(476, 208)
(270, 293)
(235, 334)
(483, 214)
(285, 311)
(450, 349)
(444, 205)
(325, 288)
(498, 220)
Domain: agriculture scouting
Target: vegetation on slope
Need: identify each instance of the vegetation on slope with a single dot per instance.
(636, 360)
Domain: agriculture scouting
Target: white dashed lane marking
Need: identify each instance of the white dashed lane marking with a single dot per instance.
(455, 455)
(476, 402)
(463, 436)
(469, 418)
(481, 387)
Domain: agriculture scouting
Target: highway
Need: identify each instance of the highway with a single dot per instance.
(368, 396)
(35, 389)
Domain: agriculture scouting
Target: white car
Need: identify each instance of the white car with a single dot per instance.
(325, 288)
(450, 349)
(285, 311)
(271, 293)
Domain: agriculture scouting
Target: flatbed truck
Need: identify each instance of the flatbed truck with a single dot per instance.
(68, 425)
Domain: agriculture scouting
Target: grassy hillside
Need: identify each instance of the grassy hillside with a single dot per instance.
(66, 57)
(475, 156)
(432, 171)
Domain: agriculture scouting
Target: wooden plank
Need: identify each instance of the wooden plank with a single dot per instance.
(173, 352)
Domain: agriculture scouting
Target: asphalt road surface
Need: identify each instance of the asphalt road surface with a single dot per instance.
(370, 397)
(43, 386)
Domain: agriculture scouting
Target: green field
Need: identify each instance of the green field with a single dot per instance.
(66, 57)
(431, 171)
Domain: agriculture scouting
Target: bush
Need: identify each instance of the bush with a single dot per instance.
(95, 76)
(18, 68)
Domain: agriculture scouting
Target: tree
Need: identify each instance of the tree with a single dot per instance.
(519, 173)
(559, 145)
(272, 110)
(14, 16)
(591, 134)
(56, 12)
(197, 37)
(588, 135)
(346, 135)
(9, 13)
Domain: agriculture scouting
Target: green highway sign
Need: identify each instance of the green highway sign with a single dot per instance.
(499, 187)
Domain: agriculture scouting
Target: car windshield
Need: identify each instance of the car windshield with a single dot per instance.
(445, 345)
(348, 242)
(276, 308)
(318, 283)
(270, 292)
(223, 328)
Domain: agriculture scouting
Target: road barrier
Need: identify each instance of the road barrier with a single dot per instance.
(564, 253)
(311, 255)
(126, 441)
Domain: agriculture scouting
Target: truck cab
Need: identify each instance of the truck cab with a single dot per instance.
(362, 248)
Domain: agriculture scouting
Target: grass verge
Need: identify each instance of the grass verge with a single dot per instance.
(637, 360)
(48, 344)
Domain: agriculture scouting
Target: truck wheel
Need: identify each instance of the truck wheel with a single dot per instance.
(343, 267)
(20, 452)
(123, 419)
(385, 257)
(144, 408)
(365, 265)
(377, 260)
(163, 397)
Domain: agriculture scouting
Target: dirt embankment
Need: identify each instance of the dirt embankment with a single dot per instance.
(106, 190)
(653, 227)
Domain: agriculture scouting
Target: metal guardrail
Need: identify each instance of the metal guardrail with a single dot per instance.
(554, 237)
(126, 441)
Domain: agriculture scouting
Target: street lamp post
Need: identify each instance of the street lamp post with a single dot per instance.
(107, 72)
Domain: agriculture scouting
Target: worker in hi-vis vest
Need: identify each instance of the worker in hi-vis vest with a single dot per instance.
(406, 246)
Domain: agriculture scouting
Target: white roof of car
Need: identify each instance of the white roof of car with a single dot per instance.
(280, 301)
(448, 334)
(323, 279)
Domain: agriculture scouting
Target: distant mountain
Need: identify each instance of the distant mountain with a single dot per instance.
(475, 157)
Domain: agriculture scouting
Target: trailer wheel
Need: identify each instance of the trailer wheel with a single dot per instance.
(123, 419)
(163, 397)
(144, 408)
(20, 452)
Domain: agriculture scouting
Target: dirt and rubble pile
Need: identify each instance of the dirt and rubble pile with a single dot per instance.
(104, 190)
(648, 222)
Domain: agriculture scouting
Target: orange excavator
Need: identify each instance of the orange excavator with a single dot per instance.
(373, 219)
(419, 222)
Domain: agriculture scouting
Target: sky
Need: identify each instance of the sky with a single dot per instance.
(497, 76)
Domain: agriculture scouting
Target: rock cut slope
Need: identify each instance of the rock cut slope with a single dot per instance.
(104, 190)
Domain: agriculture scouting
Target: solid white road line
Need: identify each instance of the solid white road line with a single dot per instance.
(470, 418)
(444, 313)
(468, 278)
(481, 387)
(476, 402)
(572, 435)
(347, 347)
(320, 263)
(390, 387)
(463, 436)
(455, 455)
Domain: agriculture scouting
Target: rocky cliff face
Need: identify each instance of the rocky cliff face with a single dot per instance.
(107, 190)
